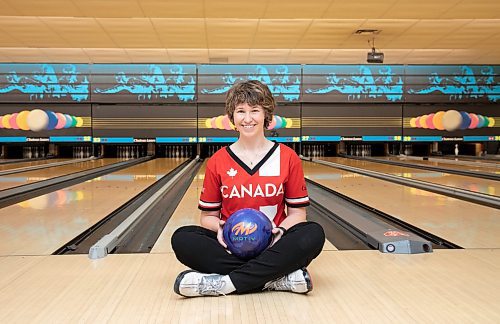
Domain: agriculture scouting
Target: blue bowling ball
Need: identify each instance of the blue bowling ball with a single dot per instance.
(247, 233)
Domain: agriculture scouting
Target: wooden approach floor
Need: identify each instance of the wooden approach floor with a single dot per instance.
(446, 286)
(357, 287)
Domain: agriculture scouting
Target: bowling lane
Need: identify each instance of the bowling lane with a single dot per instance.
(21, 164)
(473, 159)
(466, 224)
(451, 164)
(187, 213)
(452, 180)
(41, 225)
(22, 178)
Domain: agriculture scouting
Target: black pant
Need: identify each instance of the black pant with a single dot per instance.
(198, 248)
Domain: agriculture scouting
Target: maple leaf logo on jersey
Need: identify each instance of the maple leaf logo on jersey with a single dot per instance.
(232, 172)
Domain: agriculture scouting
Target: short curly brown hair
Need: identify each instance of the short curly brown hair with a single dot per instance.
(254, 93)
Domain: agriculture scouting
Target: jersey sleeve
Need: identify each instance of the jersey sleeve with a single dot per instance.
(295, 188)
(210, 198)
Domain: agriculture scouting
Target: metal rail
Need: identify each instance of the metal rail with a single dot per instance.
(110, 241)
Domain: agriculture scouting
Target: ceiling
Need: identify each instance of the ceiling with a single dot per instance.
(256, 31)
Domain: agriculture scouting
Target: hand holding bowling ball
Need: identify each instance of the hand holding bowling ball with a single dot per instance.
(247, 233)
(220, 237)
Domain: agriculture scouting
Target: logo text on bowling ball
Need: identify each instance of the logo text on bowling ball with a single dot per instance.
(243, 228)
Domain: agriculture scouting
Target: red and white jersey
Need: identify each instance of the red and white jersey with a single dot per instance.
(278, 179)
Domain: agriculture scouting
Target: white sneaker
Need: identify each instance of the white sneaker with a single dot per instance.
(298, 281)
(192, 283)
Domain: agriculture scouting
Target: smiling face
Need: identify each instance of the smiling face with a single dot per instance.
(252, 93)
(249, 120)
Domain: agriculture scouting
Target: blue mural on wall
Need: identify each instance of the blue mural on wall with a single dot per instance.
(177, 83)
(356, 82)
(283, 80)
(456, 82)
(45, 82)
(151, 82)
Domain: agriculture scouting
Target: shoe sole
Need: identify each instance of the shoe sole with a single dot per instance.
(308, 279)
(178, 280)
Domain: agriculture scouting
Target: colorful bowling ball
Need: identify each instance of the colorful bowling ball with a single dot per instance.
(247, 233)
